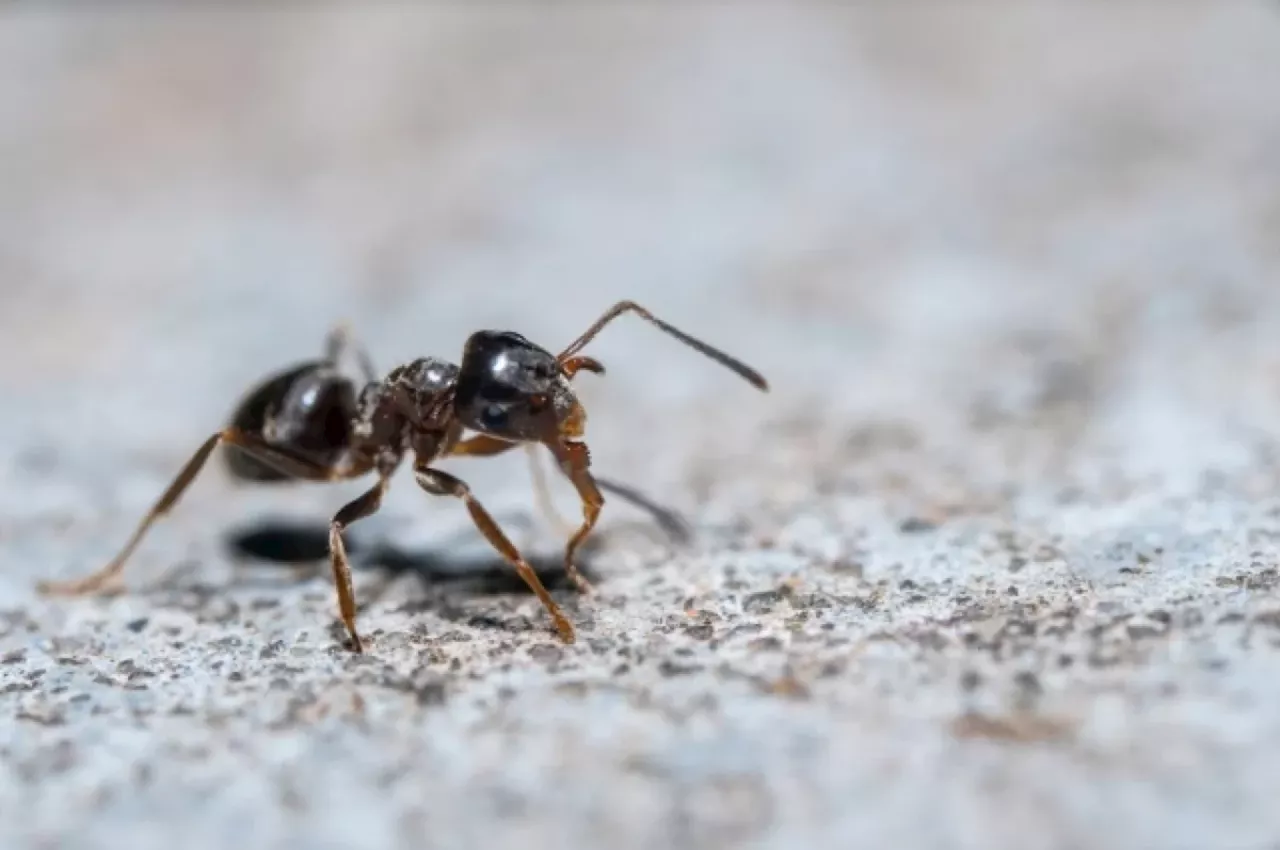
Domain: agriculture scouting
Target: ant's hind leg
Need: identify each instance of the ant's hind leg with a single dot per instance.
(110, 574)
(364, 506)
(341, 340)
(440, 483)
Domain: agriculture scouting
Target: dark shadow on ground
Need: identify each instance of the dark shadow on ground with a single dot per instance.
(304, 545)
(292, 544)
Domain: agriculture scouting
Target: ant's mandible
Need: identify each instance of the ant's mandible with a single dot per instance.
(309, 423)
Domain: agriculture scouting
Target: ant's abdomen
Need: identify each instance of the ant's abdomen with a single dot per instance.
(306, 411)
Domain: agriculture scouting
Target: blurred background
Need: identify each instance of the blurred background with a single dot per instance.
(996, 260)
(929, 213)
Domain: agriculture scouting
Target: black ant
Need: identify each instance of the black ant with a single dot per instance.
(309, 423)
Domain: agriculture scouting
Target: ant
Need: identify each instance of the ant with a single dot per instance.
(309, 423)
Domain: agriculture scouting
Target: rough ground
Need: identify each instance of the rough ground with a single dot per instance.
(994, 565)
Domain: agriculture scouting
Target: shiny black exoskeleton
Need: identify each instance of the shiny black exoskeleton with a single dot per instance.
(510, 388)
(309, 408)
(507, 388)
(308, 423)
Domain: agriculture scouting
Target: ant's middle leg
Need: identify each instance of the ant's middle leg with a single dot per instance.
(486, 446)
(441, 483)
(109, 575)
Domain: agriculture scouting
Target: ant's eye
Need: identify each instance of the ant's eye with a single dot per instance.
(493, 417)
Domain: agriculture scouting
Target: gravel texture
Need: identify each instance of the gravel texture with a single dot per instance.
(993, 565)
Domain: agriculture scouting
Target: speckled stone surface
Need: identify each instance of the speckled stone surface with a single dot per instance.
(993, 566)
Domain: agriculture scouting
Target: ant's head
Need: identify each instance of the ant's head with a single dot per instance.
(511, 389)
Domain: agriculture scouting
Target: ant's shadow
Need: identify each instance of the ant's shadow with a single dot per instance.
(301, 545)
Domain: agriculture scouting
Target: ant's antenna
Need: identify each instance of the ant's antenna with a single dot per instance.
(737, 366)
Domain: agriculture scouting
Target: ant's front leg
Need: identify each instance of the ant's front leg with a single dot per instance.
(482, 445)
(575, 462)
(108, 575)
(669, 520)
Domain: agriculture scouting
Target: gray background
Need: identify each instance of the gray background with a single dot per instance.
(994, 565)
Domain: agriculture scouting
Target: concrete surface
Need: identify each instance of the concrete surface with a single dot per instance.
(995, 564)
